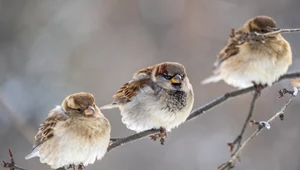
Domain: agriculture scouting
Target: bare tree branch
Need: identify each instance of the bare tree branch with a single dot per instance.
(278, 31)
(115, 142)
(238, 139)
(246, 37)
(261, 125)
(11, 165)
(121, 141)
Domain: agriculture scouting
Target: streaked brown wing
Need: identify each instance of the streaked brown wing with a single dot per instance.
(46, 129)
(129, 90)
(231, 49)
(146, 71)
(227, 52)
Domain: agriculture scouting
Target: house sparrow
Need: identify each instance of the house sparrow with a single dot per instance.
(259, 62)
(295, 82)
(74, 133)
(157, 97)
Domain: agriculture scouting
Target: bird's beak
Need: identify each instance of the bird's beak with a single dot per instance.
(89, 111)
(176, 79)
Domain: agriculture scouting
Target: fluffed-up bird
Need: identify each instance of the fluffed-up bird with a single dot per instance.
(157, 97)
(295, 82)
(253, 61)
(74, 133)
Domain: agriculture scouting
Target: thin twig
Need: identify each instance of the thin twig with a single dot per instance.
(11, 165)
(115, 142)
(121, 141)
(230, 164)
(238, 139)
(246, 36)
(278, 31)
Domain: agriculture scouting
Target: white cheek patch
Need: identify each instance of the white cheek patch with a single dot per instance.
(58, 109)
(139, 76)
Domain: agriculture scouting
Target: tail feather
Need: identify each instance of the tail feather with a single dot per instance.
(109, 106)
(33, 154)
(212, 79)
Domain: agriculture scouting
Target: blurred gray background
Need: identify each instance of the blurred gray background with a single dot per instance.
(49, 49)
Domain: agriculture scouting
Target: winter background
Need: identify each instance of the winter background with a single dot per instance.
(49, 49)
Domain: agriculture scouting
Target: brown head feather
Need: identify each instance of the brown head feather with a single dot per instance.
(169, 68)
(261, 24)
(68, 108)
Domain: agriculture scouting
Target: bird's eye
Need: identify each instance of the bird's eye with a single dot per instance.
(168, 77)
(263, 30)
(79, 109)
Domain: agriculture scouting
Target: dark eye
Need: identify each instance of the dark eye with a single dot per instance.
(168, 77)
(263, 30)
(79, 109)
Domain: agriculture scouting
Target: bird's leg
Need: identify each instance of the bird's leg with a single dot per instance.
(258, 87)
(81, 166)
(67, 167)
(162, 134)
(73, 167)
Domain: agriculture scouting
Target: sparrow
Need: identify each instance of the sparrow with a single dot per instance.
(74, 133)
(157, 97)
(253, 61)
(295, 82)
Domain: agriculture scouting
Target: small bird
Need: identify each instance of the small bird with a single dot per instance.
(253, 61)
(75, 133)
(157, 97)
(295, 82)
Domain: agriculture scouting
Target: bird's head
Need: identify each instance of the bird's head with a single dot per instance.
(80, 104)
(170, 76)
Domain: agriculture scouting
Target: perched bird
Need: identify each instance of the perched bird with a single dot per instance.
(253, 61)
(295, 82)
(75, 133)
(157, 97)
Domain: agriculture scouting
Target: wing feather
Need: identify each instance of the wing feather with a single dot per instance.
(46, 129)
(130, 90)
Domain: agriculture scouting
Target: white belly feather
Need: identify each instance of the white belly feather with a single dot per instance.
(66, 147)
(145, 112)
(248, 67)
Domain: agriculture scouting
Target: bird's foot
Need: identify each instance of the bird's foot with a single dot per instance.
(258, 87)
(73, 167)
(81, 166)
(162, 135)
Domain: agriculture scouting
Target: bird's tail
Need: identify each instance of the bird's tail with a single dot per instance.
(109, 106)
(212, 79)
(33, 154)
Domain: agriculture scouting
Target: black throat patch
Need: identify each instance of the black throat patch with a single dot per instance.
(175, 100)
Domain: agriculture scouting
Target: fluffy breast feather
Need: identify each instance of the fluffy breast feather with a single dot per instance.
(76, 141)
(259, 63)
(157, 108)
